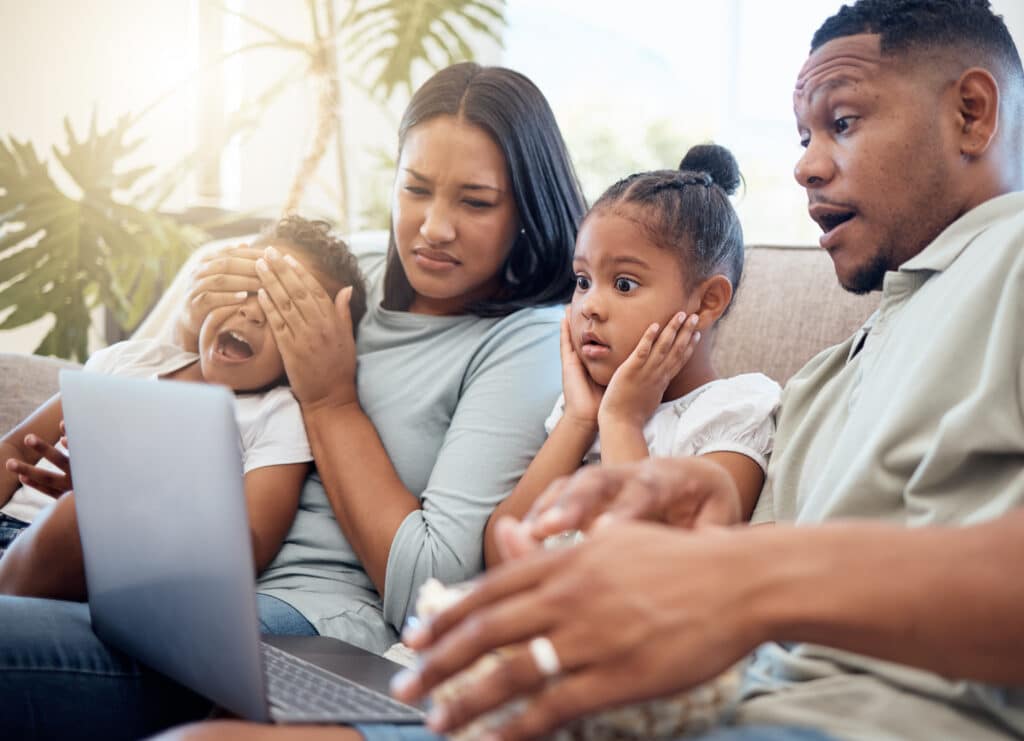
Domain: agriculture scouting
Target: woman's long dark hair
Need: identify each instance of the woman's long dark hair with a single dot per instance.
(548, 196)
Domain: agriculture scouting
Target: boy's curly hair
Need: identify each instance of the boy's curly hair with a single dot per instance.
(329, 253)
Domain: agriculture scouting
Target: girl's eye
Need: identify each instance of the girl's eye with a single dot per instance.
(415, 190)
(625, 285)
(582, 282)
(473, 203)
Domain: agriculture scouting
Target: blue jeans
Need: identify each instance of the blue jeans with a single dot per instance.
(740, 733)
(58, 680)
(10, 529)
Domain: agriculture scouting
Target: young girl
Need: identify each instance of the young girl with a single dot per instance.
(657, 262)
(236, 349)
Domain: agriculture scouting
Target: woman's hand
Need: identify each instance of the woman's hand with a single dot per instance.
(222, 278)
(313, 333)
(582, 395)
(666, 609)
(54, 483)
(638, 385)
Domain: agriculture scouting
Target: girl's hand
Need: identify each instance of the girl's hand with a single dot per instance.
(314, 334)
(681, 492)
(54, 483)
(582, 395)
(222, 278)
(639, 384)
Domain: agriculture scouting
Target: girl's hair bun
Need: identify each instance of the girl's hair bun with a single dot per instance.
(717, 162)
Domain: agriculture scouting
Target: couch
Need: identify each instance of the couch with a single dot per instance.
(788, 308)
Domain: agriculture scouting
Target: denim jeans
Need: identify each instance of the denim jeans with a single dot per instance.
(740, 733)
(10, 529)
(58, 680)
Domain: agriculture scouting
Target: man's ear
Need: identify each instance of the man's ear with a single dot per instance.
(714, 295)
(978, 107)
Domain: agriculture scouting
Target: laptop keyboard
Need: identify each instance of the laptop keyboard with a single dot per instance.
(300, 691)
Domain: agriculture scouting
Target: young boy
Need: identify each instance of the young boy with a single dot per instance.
(236, 349)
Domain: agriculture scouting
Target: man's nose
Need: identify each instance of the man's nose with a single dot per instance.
(816, 166)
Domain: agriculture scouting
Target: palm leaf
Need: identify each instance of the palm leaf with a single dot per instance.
(64, 256)
(393, 35)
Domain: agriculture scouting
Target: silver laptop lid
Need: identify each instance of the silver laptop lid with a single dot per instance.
(165, 536)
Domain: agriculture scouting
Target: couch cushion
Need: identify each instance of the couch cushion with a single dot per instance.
(789, 307)
(28, 381)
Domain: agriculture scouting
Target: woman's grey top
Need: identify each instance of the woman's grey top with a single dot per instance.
(459, 403)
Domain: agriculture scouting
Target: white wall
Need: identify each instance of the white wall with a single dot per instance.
(661, 68)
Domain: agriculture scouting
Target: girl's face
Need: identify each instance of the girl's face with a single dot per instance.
(453, 213)
(236, 345)
(624, 283)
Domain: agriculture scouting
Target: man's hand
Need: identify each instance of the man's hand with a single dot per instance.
(666, 608)
(681, 492)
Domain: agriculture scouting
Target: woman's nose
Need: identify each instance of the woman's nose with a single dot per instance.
(438, 226)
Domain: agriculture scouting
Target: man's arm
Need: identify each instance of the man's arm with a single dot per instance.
(947, 600)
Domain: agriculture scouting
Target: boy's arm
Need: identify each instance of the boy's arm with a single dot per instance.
(560, 455)
(746, 474)
(44, 423)
(272, 498)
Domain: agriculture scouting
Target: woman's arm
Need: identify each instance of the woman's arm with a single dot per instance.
(565, 447)
(559, 456)
(401, 538)
(272, 498)
(44, 423)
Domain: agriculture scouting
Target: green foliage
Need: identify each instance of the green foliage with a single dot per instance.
(65, 255)
(392, 35)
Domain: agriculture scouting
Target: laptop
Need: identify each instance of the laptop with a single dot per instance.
(168, 560)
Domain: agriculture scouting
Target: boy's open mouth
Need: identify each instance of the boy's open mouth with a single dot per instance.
(233, 346)
(591, 346)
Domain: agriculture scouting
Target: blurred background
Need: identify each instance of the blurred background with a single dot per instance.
(132, 131)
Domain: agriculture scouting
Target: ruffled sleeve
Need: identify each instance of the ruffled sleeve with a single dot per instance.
(731, 415)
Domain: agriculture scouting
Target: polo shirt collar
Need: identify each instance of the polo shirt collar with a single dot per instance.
(953, 240)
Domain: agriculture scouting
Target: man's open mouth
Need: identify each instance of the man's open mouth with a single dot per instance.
(233, 346)
(830, 221)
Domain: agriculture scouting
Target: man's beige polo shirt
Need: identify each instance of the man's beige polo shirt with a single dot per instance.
(921, 422)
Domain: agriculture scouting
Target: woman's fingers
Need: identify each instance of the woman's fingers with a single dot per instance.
(240, 261)
(295, 284)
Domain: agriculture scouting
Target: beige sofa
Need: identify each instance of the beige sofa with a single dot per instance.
(788, 308)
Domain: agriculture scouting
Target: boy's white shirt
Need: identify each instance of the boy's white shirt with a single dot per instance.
(730, 414)
(269, 423)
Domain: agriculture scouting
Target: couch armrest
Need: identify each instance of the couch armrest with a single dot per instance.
(26, 381)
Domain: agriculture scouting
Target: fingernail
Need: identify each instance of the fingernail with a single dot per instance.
(402, 682)
(681, 317)
(437, 718)
(261, 265)
(242, 295)
(291, 261)
(414, 634)
(695, 319)
(31, 439)
(696, 337)
(272, 253)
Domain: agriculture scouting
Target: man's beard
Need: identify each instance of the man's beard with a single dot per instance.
(869, 277)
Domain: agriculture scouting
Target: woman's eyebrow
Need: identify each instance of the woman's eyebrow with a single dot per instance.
(464, 186)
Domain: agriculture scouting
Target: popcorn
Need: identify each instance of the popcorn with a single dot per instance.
(686, 713)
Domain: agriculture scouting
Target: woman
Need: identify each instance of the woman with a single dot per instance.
(456, 375)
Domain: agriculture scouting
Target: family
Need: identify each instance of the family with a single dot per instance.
(517, 368)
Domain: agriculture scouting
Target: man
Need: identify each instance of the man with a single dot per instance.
(895, 610)
(894, 625)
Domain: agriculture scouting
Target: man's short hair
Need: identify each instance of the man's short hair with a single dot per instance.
(920, 25)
